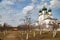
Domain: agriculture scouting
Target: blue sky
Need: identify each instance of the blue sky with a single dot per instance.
(12, 11)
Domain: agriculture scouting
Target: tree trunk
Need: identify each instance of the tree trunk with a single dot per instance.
(54, 33)
(34, 34)
(27, 36)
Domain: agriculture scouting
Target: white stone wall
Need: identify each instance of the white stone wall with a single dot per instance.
(45, 22)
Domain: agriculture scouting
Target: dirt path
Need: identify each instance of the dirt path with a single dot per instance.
(12, 36)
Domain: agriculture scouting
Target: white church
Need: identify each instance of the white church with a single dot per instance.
(46, 19)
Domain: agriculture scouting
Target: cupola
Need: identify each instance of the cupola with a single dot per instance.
(44, 9)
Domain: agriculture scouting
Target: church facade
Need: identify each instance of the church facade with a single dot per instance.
(46, 19)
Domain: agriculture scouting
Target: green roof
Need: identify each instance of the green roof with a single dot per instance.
(49, 10)
(44, 8)
(40, 11)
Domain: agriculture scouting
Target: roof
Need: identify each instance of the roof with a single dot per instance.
(40, 11)
(49, 10)
(58, 21)
(44, 8)
(50, 18)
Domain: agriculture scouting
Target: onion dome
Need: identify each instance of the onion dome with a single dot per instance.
(49, 10)
(44, 8)
(40, 11)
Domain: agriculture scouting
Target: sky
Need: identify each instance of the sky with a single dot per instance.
(13, 12)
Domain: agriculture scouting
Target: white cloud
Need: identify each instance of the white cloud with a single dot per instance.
(55, 3)
(43, 0)
(50, 4)
(40, 6)
(20, 0)
(10, 2)
(9, 14)
(34, 1)
(27, 8)
(7, 2)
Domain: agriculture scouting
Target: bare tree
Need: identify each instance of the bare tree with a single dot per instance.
(55, 27)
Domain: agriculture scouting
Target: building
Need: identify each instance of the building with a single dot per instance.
(46, 19)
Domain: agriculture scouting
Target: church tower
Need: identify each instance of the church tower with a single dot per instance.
(42, 14)
(50, 14)
(44, 10)
(46, 19)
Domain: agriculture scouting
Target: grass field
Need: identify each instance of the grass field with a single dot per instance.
(29, 35)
